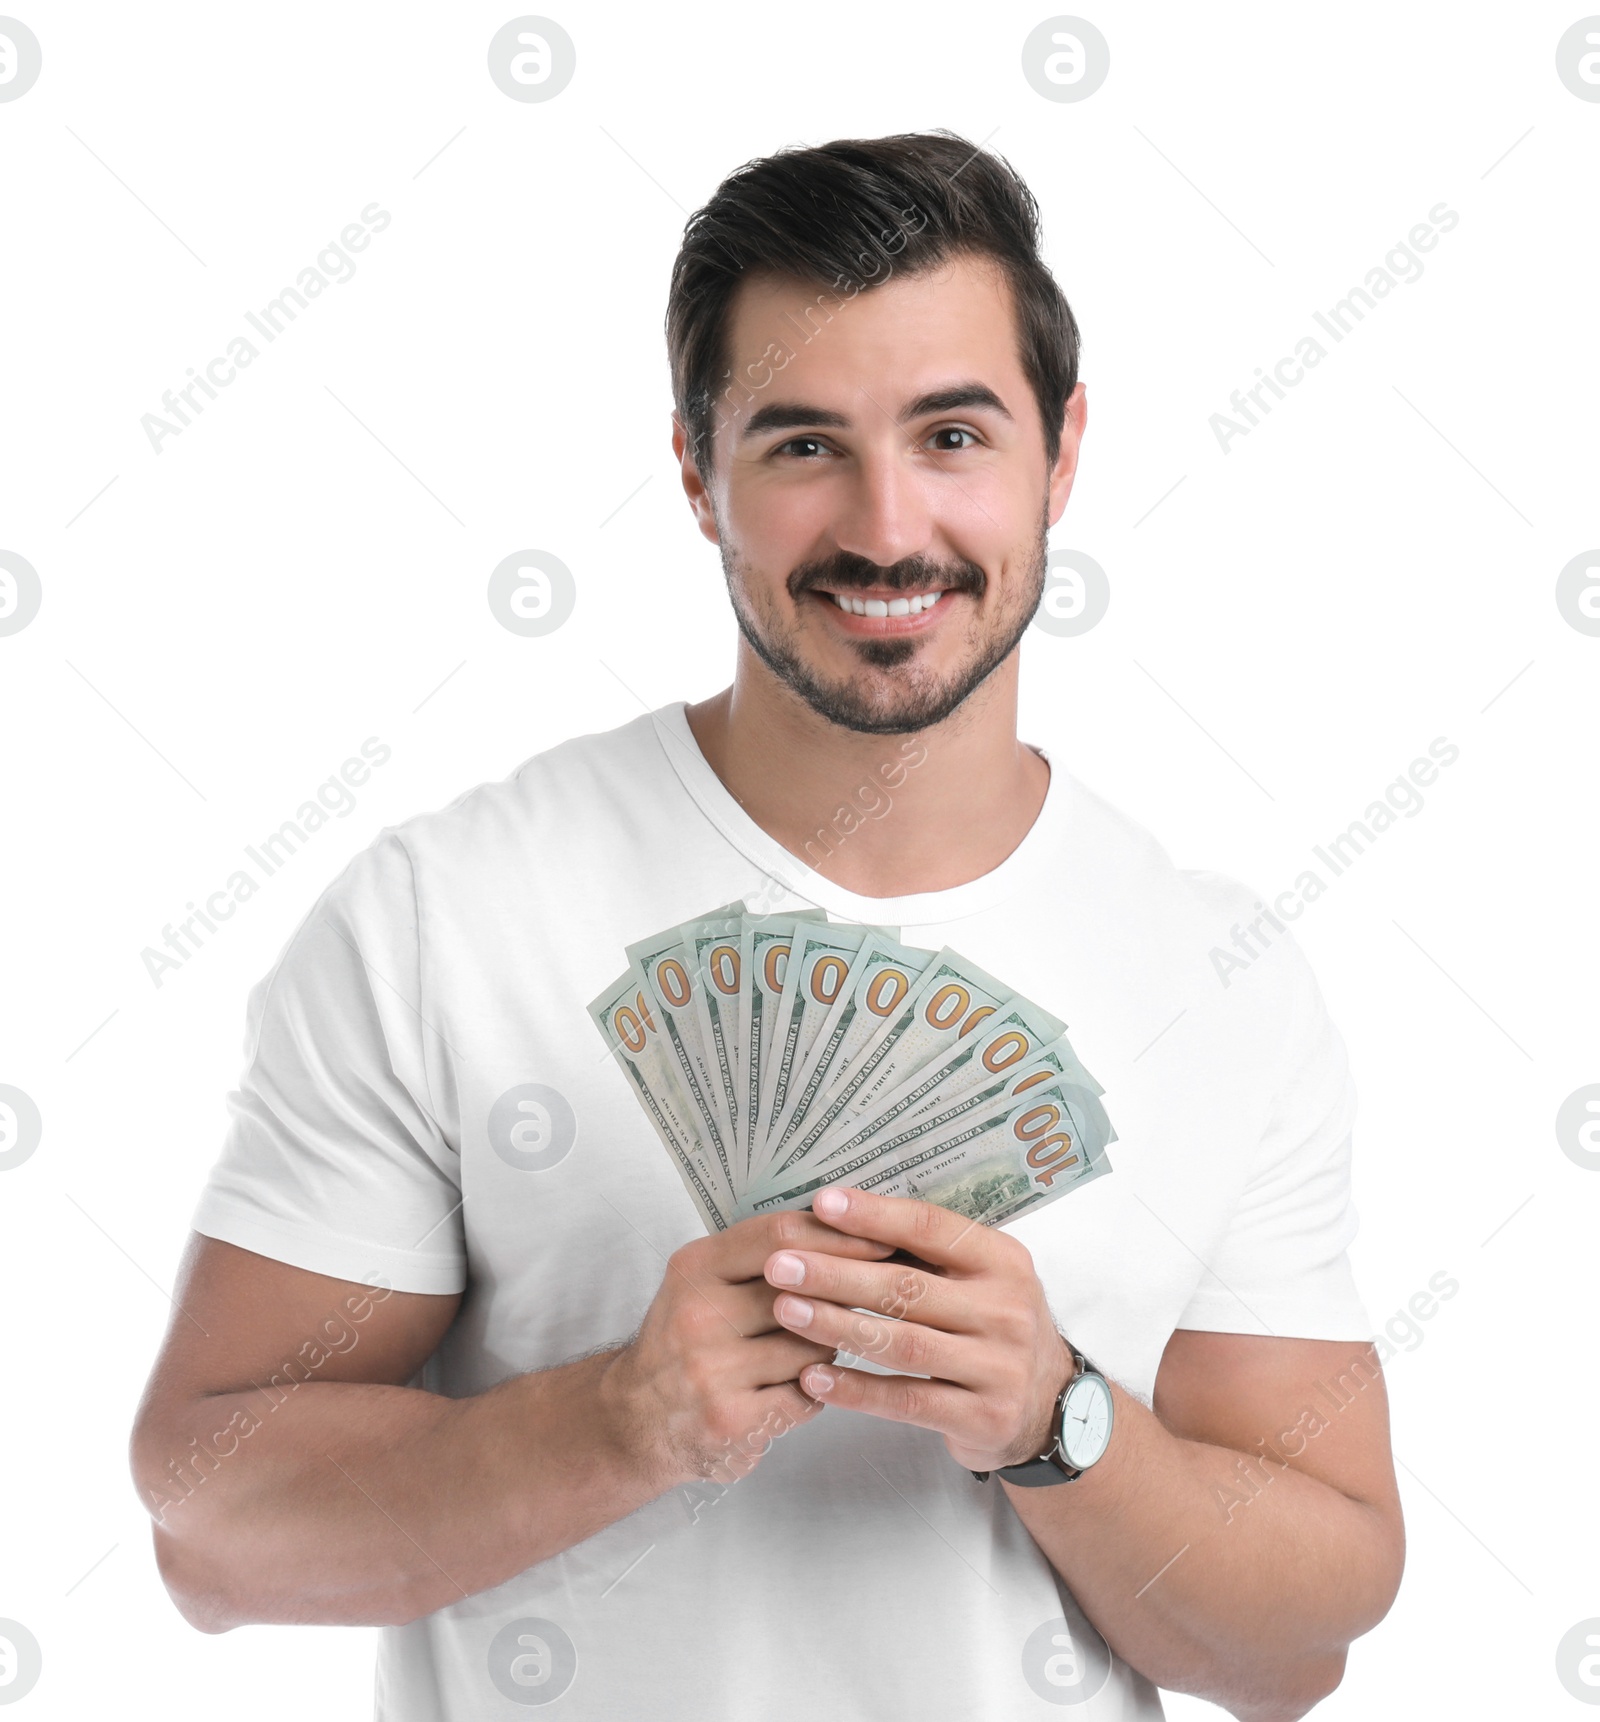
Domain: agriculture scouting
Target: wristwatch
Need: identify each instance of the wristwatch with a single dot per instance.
(1082, 1430)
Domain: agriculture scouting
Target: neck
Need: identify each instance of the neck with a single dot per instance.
(880, 815)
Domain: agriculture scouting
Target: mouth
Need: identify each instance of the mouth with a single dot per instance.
(881, 612)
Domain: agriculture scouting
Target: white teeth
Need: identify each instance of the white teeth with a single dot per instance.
(913, 606)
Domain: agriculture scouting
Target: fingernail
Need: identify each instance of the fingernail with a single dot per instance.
(830, 1203)
(786, 1270)
(796, 1312)
(819, 1381)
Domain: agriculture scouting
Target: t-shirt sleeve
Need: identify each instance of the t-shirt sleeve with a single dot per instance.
(1283, 1266)
(334, 1159)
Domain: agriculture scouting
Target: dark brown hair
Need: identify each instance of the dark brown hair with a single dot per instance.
(847, 216)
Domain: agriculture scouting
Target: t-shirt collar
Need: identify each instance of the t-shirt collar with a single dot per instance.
(1030, 866)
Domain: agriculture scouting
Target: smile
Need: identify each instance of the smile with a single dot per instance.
(913, 605)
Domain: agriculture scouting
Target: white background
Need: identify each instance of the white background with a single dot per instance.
(1372, 567)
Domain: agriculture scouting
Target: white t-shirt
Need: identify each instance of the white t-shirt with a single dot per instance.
(859, 1566)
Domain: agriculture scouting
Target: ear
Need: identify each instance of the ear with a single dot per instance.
(1074, 420)
(694, 487)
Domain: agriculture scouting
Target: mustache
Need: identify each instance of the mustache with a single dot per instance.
(855, 573)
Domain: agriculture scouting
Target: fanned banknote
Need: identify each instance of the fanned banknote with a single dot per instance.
(776, 1054)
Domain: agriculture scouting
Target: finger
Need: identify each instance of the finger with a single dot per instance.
(912, 1261)
(791, 1401)
(927, 1231)
(736, 1315)
(740, 1252)
(888, 1288)
(906, 1345)
(772, 1412)
(747, 1308)
(779, 1357)
(935, 1405)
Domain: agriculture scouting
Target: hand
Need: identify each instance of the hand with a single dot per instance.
(709, 1380)
(973, 1317)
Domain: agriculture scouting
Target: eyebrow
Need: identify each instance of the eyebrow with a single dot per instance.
(798, 415)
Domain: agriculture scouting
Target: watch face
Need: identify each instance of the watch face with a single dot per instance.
(1085, 1421)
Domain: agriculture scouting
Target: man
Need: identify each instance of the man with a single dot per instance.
(394, 1392)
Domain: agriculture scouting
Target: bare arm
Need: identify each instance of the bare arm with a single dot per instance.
(1232, 1543)
(293, 1477)
(1207, 1570)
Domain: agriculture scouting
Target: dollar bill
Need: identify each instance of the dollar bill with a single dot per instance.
(973, 1079)
(947, 998)
(666, 967)
(775, 1054)
(716, 983)
(1015, 1156)
(813, 978)
(764, 945)
(882, 977)
(624, 1017)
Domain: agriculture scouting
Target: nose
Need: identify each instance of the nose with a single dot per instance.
(884, 513)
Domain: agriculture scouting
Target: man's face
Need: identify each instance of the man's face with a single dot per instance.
(881, 502)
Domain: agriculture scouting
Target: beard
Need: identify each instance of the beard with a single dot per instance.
(895, 694)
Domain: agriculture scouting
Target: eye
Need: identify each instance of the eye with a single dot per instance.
(786, 450)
